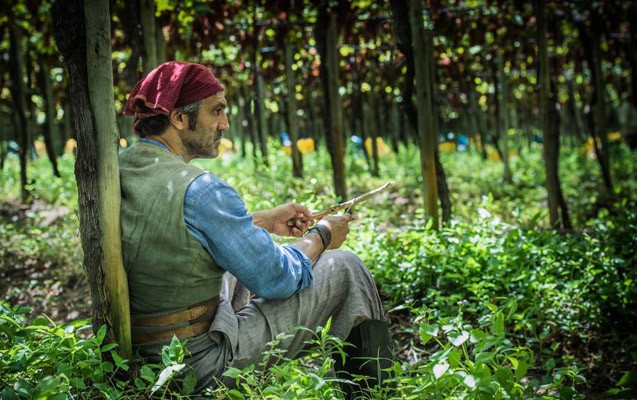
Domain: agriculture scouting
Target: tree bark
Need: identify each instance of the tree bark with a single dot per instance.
(441, 176)
(259, 117)
(96, 168)
(374, 124)
(558, 212)
(632, 49)
(19, 100)
(592, 50)
(421, 47)
(502, 120)
(133, 29)
(49, 132)
(333, 119)
(149, 34)
(292, 121)
(402, 32)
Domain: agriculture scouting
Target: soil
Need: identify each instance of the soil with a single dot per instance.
(45, 286)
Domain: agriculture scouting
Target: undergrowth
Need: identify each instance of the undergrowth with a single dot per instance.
(495, 305)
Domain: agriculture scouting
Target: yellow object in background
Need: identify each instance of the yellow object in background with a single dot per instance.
(123, 143)
(304, 145)
(589, 146)
(40, 148)
(225, 145)
(70, 146)
(447, 147)
(383, 149)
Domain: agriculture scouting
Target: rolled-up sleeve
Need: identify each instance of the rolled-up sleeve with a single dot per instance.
(217, 217)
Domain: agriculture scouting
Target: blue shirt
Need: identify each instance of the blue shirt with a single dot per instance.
(217, 217)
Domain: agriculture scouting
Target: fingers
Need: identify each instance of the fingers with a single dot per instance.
(301, 209)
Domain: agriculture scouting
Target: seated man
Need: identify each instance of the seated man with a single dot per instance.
(183, 228)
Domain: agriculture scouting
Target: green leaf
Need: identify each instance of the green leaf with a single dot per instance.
(8, 394)
(520, 366)
(232, 373)
(497, 326)
(427, 332)
(101, 333)
(148, 374)
(190, 381)
(108, 347)
(629, 378)
(505, 378)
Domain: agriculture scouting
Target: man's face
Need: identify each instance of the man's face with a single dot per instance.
(212, 122)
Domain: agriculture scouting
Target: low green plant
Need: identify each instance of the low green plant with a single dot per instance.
(44, 360)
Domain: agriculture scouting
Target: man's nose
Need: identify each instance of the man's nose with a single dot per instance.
(224, 124)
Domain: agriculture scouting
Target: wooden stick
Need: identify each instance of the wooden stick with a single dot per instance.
(342, 206)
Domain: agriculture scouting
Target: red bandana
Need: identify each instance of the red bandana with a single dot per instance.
(170, 85)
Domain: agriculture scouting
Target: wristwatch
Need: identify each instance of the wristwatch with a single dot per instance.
(324, 233)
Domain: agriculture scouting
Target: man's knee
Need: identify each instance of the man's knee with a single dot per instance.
(345, 264)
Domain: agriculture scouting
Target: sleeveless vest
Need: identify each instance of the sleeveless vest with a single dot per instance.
(167, 268)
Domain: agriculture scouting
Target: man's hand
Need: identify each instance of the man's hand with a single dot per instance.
(289, 219)
(339, 227)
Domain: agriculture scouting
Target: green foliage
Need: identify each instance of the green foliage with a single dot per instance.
(499, 306)
(43, 360)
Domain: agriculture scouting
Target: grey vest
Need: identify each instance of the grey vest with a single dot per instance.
(167, 267)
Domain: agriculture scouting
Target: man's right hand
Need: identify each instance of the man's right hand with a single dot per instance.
(339, 227)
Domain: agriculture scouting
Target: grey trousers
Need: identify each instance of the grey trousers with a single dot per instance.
(343, 289)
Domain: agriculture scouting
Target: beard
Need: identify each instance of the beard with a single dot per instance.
(201, 143)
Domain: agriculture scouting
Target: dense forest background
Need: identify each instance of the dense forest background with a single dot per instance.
(505, 252)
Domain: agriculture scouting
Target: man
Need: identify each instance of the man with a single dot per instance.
(183, 228)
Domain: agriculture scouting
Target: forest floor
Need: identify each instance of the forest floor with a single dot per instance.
(50, 289)
(41, 284)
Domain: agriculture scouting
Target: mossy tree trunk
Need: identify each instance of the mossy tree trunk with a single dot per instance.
(79, 27)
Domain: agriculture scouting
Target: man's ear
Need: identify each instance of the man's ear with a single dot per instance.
(178, 119)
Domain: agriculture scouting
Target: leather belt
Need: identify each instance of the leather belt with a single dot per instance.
(198, 316)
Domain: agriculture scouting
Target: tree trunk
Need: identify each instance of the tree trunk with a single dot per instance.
(3, 154)
(550, 129)
(149, 34)
(50, 132)
(502, 121)
(374, 122)
(441, 176)
(632, 49)
(402, 32)
(16, 67)
(132, 28)
(426, 128)
(160, 41)
(96, 168)
(292, 122)
(259, 111)
(592, 50)
(477, 118)
(333, 120)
